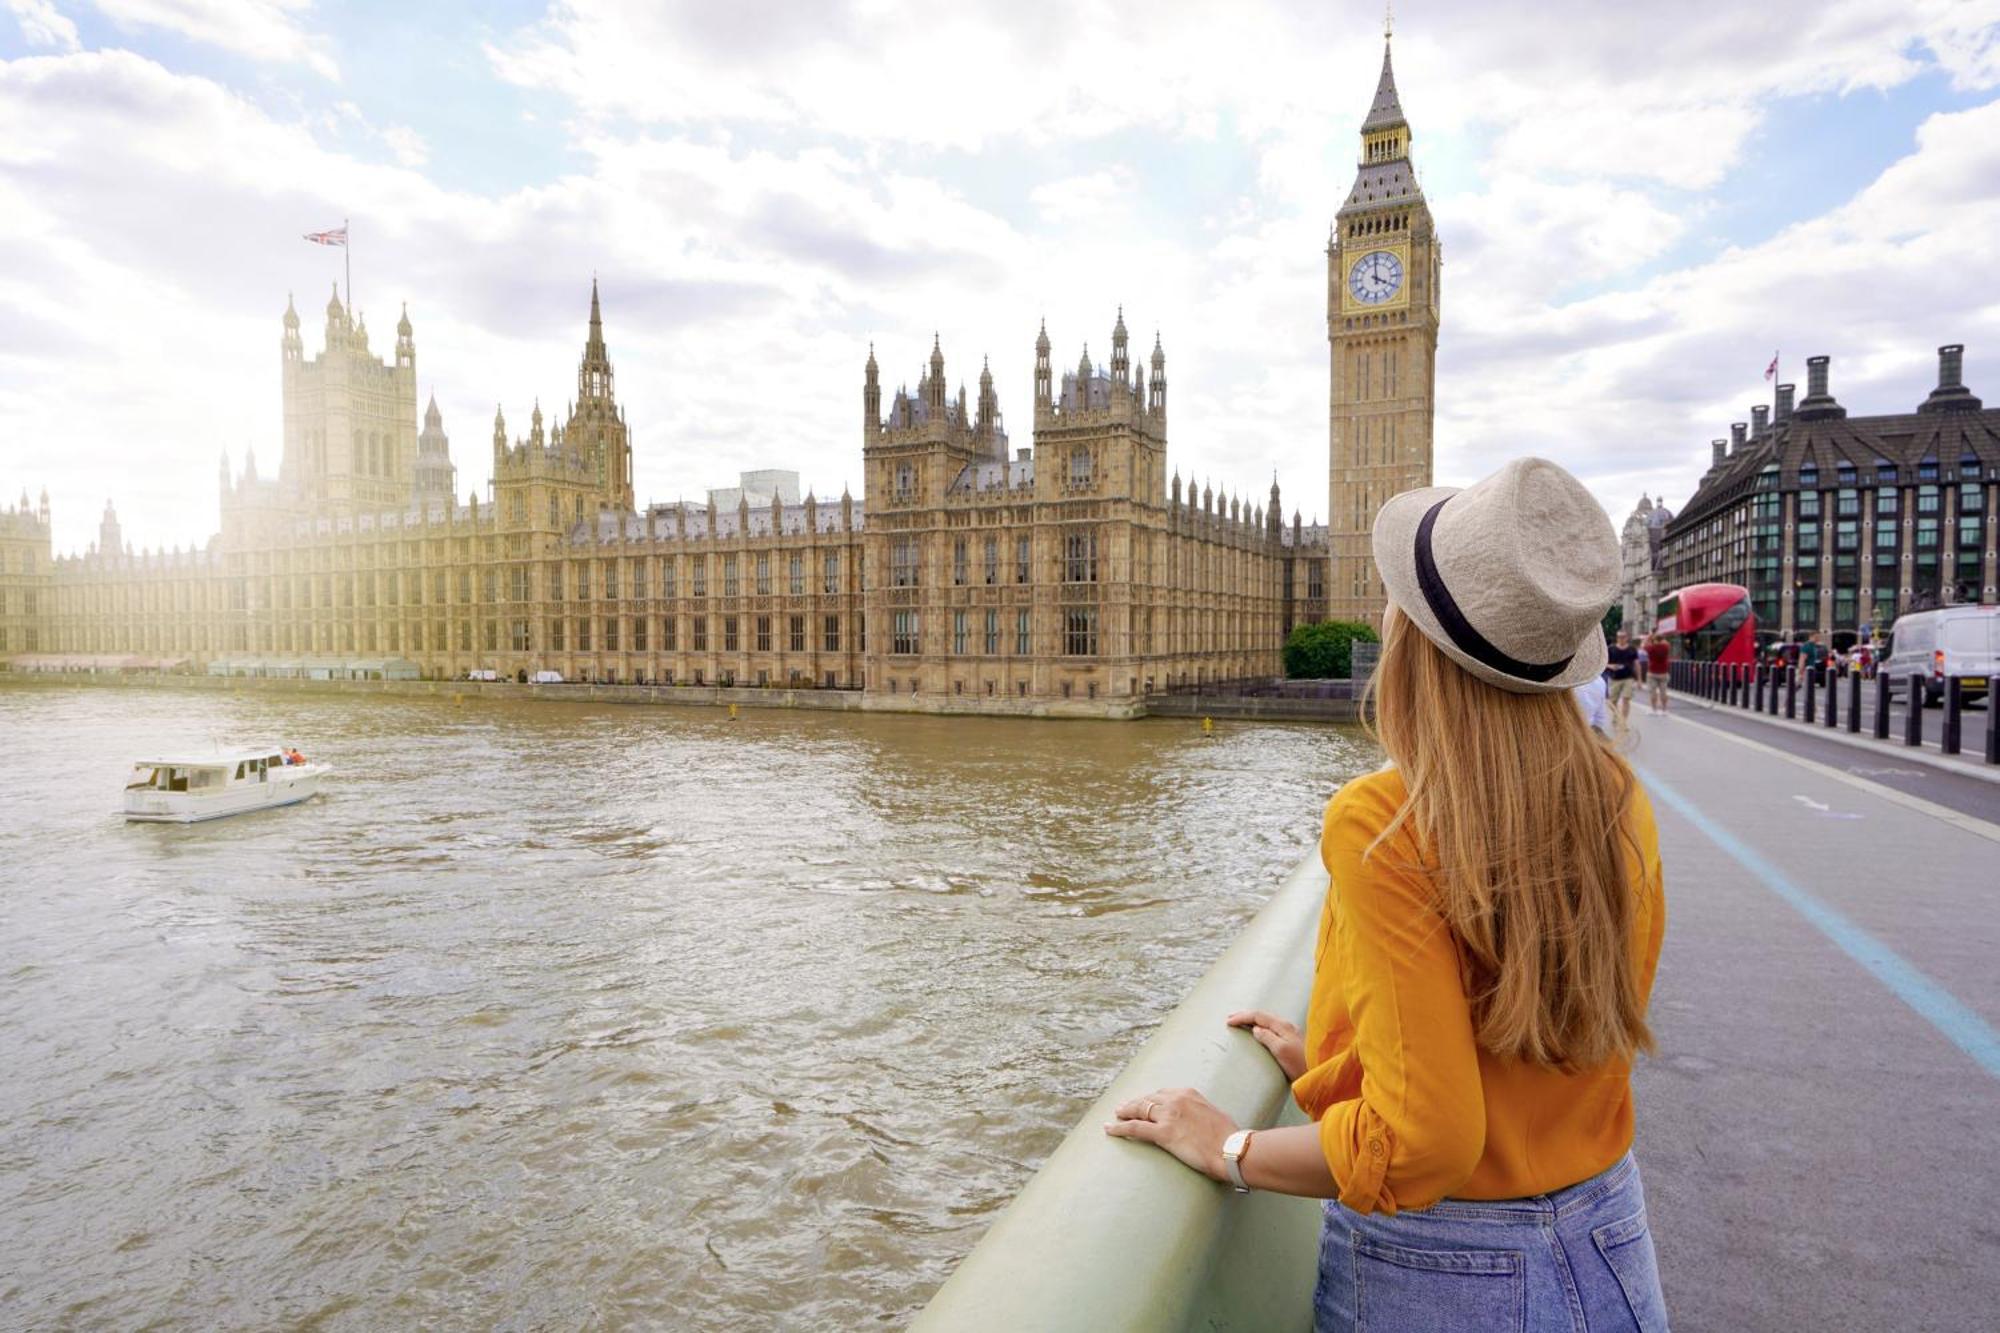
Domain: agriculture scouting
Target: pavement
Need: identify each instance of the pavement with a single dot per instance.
(1819, 1129)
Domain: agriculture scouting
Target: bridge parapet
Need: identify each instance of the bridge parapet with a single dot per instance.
(1112, 1234)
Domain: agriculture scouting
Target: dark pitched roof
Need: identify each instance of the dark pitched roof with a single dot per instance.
(1902, 439)
(1386, 110)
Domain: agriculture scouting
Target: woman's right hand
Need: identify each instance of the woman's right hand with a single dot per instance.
(1282, 1039)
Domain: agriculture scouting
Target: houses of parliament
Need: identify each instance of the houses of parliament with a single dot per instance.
(1077, 574)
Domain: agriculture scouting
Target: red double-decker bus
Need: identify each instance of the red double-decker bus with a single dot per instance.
(1710, 622)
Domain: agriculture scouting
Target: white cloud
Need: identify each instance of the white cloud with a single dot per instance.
(42, 24)
(266, 30)
(762, 204)
(407, 145)
(1084, 198)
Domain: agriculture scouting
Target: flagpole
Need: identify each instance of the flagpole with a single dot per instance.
(347, 257)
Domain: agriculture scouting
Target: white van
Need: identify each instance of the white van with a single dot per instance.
(482, 673)
(546, 678)
(1962, 641)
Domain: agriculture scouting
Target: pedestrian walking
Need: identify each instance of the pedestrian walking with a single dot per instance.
(1593, 698)
(1493, 918)
(1624, 660)
(1659, 666)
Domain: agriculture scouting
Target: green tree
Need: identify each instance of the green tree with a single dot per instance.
(1324, 650)
(1613, 618)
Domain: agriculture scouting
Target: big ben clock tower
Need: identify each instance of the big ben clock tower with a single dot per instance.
(1382, 271)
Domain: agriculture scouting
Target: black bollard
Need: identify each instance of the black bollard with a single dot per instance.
(1791, 691)
(1832, 698)
(1812, 695)
(1913, 720)
(1758, 706)
(1854, 702)
(1954, 700)
(1993, 719)
(1881, 705)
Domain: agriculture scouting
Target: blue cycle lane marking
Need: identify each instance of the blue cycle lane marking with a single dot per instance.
(1936, 1005)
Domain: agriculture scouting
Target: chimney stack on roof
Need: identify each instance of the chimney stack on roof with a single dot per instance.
(1784, 412)
(1721, 448)
(1818, 403)
(1951, 395)
(1736, 429)
(1760, 421)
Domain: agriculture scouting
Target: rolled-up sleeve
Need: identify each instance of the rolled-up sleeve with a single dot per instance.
(1417, 1128)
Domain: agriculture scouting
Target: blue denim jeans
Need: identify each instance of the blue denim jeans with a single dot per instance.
(1580, 1260)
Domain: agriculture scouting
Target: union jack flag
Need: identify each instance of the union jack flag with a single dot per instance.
(338, 236)
(1770, 371)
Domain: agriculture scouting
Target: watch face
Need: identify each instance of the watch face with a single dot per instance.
(1375, 277)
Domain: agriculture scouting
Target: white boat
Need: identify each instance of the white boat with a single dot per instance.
(229, 782)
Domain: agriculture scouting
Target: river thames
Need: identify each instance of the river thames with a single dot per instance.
(573, 1016)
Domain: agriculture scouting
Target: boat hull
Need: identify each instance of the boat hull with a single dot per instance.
(154, 807)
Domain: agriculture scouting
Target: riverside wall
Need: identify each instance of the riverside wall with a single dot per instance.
(1219, 707)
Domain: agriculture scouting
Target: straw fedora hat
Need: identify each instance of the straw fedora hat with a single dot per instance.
(1511, 576)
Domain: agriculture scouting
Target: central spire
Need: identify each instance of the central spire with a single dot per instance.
(1386, 111)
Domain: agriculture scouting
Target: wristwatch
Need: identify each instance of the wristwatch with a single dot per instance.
(1234, 1149)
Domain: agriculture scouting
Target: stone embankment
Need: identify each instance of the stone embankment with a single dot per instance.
(1223, 707)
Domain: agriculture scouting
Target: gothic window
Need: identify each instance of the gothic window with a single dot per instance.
(763, 573)
(611, 634)
(903, 563)
(1080, 556)
(1080, 632)
(906, 481)
(700, 624)
(992, 560)
(639, 633)
(797, 636)
(1021, 638)
(698, 575)
(830, 634)
(669, 578)
(730, 586)
(611, 580)
(583, 581)
(992, 632)
(797, 571)
(958, 563)
(1080, 468)
(639, 579)
(1022, 547)
(763, 634)
(670, 633)
(583, 635)
(904, 639)
(730, 642)
(517, 583)
(958, 632)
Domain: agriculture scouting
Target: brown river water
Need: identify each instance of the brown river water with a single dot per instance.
(550, 1016)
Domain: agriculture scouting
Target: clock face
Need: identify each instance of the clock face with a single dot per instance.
(1375, 277)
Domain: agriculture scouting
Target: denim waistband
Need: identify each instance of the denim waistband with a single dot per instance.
(1555, 1204)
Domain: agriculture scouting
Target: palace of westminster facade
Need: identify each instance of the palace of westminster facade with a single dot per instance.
(1076, 575)
(971, 577)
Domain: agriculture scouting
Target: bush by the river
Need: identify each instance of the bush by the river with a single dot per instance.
(1324, 650)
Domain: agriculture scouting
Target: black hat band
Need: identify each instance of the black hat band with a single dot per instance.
(1463, 636)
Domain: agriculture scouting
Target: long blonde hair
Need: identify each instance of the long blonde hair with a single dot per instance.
(1522, 812)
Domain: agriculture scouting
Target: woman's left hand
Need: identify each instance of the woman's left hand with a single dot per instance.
(1180, 1120)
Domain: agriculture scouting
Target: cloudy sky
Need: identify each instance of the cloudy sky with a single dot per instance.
(1639, 205)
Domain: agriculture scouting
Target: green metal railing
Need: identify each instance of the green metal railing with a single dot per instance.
(1114, 1234)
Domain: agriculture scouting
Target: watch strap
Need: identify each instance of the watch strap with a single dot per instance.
(1233, 1149)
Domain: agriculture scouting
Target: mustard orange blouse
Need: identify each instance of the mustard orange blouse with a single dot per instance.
(1410, 1110)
